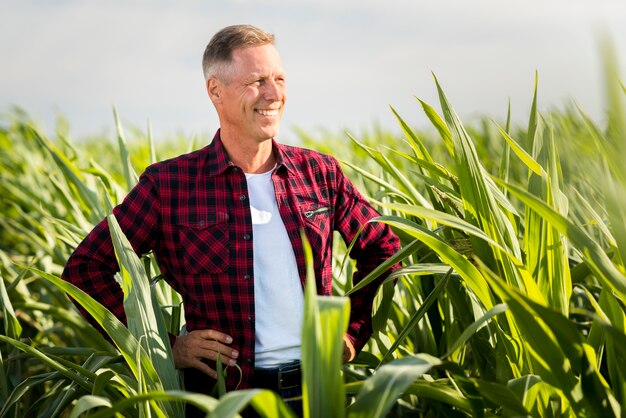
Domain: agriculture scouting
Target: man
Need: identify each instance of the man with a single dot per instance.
(224, 223)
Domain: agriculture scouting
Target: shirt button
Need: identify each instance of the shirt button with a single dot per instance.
(249, 319)
(249, 360)
(246, 277)
(246, 237)
(243, 197)
(236, 169)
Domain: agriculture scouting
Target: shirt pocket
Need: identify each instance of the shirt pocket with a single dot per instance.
(205, 243)
(318, 225)
(315, 211)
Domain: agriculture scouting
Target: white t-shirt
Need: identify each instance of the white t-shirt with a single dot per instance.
(278, 295)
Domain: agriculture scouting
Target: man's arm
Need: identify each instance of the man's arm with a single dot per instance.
(93, 264)
(376, 244)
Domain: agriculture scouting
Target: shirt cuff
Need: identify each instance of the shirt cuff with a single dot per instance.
(172, 339)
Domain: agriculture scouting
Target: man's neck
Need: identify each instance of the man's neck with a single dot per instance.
(252, 157)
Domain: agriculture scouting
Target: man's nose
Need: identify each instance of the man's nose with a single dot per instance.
(273, 91)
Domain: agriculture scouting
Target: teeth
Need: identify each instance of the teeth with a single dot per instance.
(268, 112)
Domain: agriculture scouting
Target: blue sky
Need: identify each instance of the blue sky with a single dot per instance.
(346, 61)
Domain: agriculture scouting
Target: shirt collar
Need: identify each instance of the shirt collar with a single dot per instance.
(221, 162)
(283, 157)
(217, 157)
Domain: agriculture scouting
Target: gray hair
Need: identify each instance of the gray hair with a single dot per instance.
(218, 53)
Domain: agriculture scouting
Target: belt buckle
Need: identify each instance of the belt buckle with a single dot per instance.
(286, 370)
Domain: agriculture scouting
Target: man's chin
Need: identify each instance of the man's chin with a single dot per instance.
(271, 132)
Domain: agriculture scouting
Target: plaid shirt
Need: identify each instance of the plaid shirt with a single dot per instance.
(193, 213)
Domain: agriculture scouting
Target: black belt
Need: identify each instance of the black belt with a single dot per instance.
(284, 376)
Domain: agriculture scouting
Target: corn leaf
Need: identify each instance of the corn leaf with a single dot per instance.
(379, 393)
(265, 402)
(12, 326)
(203, 402)
(88, 402)
(144, 318)
(129, 172)
(449, 255)
(323, 329)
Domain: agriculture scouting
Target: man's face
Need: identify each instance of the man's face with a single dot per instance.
(252, 96)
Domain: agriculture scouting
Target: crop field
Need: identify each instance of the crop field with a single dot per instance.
(511, 298)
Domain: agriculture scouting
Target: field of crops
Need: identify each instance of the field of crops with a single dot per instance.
(511, 300)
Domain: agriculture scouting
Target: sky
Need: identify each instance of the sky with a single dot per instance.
(346, 61)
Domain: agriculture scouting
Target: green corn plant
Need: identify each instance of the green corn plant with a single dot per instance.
(538, 271)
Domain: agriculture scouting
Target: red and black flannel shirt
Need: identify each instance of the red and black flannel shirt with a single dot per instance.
(193, 213)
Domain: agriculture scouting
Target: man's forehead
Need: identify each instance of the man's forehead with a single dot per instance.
(257, 59)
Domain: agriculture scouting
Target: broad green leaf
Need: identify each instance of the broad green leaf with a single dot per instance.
(129, 172)
(4, 382)
(505, 161)
(442, 218)
(144, 319)
(461, 265)
(526, 158)
(521, 385)
(12, 326)
(546, 249)
(151, 147)
(421, 151)
(203, 402)
(380, 392)
(534, 116)
(88, 402)
(440, 125)
(101, 381)
(435, 390)
(323, 329)
(265, 402)
(420, 269)
(380, 306)
(613, 326)
(615, 202)
(502, 396)
(404, 253)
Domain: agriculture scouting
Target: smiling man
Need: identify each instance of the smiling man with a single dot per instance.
(224, 224)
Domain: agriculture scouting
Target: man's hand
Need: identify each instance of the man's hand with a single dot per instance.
(349, 353)
(190, 350)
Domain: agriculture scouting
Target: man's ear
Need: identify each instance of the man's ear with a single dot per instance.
(214, 89)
